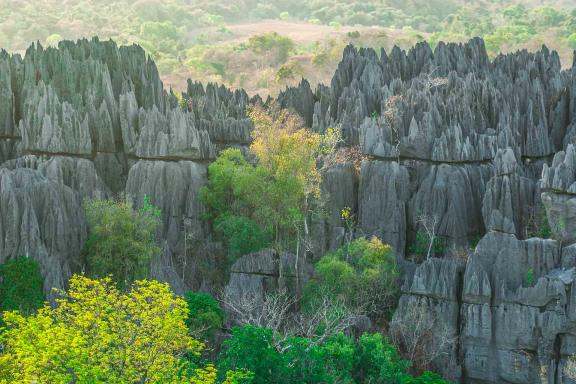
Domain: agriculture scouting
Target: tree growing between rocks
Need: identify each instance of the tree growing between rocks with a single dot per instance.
(268, 201)
(362, 274)
(121, 240)
(422, 337)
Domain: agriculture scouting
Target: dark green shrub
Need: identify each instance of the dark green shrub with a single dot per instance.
(241, 234)
(421, 244)
(206, 317)
(251, 348)
(337, 359)
(21, 285)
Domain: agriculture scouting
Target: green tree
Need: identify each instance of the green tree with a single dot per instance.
(120, 239)
(274, 196)
(206, 317)
(338, 359)
(572, 40)
(251, 348)
(362, 273)
(232, 198)
(21, 286)
(97, 333)
(242, 234)
(278, 47)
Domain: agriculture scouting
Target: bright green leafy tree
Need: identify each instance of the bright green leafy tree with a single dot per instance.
(97, 333)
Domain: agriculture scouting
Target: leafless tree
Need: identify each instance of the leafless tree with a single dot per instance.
(330, 315)
(429, 223)
(191, 236)
(430, 81)
(390, 115)
(422, 336)
(569, 369)
(275, 311)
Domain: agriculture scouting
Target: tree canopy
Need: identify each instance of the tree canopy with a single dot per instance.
(97, 333)
(121, 240)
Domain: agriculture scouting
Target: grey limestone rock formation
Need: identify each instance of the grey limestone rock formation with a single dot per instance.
(445, 134)
(91, 119)
(267, 272)
(511, 309)
(42, 219)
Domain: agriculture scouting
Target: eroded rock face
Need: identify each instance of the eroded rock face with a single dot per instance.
(267, 272)
(42, 219)
(443, 134)
(90, 119)
(509, 197)
(383, 194)
(511, 309)
(559, 194)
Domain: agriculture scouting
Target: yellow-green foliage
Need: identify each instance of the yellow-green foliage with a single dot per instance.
(250, 203)
(99, 334)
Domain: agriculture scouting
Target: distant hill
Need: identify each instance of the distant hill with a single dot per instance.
(211, 40)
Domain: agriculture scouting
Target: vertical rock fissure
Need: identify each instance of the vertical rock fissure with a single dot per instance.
(459, 322)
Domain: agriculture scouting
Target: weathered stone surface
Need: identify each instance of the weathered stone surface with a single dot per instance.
(559, 197)
(339, 191)
(154, 135)
(451, 194)
(430, 299)
(514, 301)
(42, 219)
(509, 197)
(383, 195)
(89, 111)
(174, 188)
(51, 126)
(444, 133)
(76, 173)
(256, 275)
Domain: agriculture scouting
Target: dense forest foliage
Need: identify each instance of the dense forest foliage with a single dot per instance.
(228, 41)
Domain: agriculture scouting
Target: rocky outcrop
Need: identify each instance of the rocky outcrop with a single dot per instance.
(511, 309)
(255, 276)
(76, 173)
(445, 135)
(91, 119)
(42, 219)
(559, 194)
(509, 197)
(383, 195)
